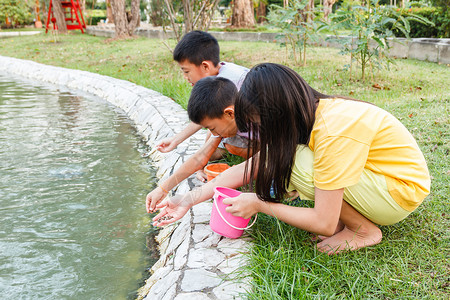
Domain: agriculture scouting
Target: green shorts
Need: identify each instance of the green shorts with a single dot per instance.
(370, 196)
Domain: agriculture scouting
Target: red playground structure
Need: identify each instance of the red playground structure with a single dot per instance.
(72, 13)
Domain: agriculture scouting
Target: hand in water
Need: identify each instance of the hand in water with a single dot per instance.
(167, 144)
(172, 209)
(153, 198)
(201, 175)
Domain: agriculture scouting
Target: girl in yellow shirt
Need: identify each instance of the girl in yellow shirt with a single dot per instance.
(357, 162)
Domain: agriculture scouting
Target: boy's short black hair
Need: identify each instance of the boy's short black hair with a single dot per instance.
(197, 46)
(209, 98)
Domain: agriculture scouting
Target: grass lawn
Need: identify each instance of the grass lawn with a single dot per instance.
(412, 261)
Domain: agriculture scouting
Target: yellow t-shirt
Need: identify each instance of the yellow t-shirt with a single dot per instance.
(349, 136)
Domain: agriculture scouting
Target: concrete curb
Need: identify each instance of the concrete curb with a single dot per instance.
(195, 262)
(18, 33)
(433, 50)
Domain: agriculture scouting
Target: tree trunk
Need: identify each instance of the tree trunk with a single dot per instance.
(58, 12)
(125, 22)
(327, 8)
(309, 9)
(243, 14)
(187, 9)
(109, 13)
(135, 17)
(261, 12)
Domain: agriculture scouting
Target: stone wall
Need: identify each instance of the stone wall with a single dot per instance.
(195, 262)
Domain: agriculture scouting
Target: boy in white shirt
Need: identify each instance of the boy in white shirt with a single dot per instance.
(198, 55)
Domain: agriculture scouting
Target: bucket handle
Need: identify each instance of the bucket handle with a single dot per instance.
(218, 210)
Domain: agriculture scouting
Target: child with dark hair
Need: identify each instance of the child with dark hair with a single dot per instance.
(210, 106)
(198, 55)
(358, 163)
(197, 47)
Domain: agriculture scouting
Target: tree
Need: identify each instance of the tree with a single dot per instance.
(327, 8)
(299, 24)
(58, 12)
(197, 15)
(125, 21)
(261, 11)
(157, 13)
(109, 14)
(243, 16)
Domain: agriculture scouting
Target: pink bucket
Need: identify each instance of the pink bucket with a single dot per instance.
(222, 222)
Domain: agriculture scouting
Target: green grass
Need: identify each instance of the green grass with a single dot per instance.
(143, 61)
(411, 261)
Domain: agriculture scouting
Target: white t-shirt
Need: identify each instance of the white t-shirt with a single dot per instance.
(233, 72)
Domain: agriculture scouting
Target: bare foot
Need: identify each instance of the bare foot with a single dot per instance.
(347, 239)
(340, 226)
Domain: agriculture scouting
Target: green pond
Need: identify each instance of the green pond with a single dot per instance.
(74, 176)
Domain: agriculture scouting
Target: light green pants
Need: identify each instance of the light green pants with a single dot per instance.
(370, 196)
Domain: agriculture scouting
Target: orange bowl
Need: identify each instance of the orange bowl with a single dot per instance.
(212, 170)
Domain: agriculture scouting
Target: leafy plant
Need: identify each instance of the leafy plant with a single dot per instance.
(371, 27)
(438, 15)
(194, 15)
(15, 12)
(298, 23)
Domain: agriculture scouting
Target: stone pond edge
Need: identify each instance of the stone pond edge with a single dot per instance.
(195, 262)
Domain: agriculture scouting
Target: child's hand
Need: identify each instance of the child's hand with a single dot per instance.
(245, 205)
(201, 175)
(167, 144)
(153, 198)
(172, 209)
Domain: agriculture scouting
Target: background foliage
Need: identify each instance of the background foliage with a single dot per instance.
(17, 11)
(438, 15)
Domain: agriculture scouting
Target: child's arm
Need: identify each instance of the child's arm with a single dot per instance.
(194, 163)
(177, 206)
(170, 143)
(321, 219)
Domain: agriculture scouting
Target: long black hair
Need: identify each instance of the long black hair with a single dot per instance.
(277, 107)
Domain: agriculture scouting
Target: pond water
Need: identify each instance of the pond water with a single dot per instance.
(73, 182)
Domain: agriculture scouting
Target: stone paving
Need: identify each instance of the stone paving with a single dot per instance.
(195, 262)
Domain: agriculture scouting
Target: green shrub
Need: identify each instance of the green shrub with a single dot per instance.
(438, 16)
(15, 12)
(374, 24)
(94, 16)
(94, 20)
(299, 24)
